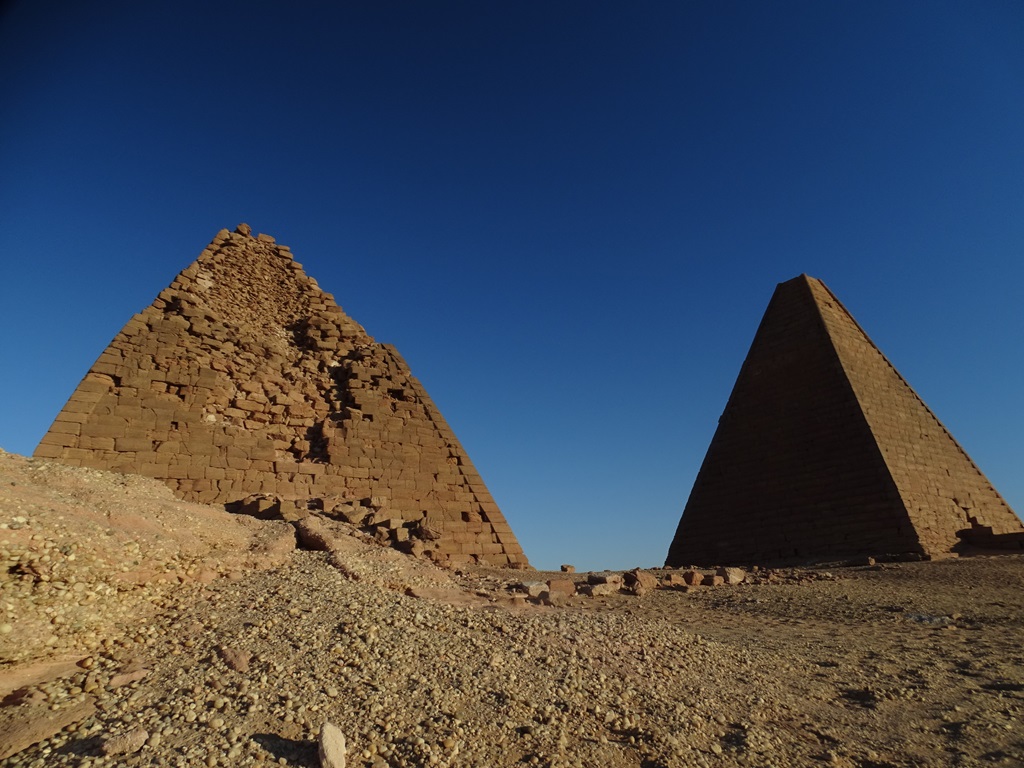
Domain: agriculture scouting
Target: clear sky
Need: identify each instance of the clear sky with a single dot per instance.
(568, 216)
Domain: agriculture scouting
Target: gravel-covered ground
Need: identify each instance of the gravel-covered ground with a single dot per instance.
(912, 664)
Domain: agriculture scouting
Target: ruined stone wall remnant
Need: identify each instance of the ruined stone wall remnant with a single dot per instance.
(824, 451)
(245, 384)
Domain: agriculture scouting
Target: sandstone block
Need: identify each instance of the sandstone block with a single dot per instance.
(732, 575)
(132, 443)
(66, 427)
(605, 577)
(693, 578)
(96, 443)
(533, 588)
(598, 590)
(53, 438)
(562, 586)
(95, 384)
(125, 743)
(47, 451)
(555, 598)
(235, 658)
(639, 581)
(107, 429)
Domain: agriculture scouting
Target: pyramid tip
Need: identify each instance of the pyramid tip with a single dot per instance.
(803, 277)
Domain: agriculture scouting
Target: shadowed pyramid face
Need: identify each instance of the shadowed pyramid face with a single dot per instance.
(824, 452)
(245, 384)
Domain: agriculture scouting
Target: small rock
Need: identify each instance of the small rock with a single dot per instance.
(597, 590)
(732, 575)
(510, 601)
(557, 599)
(332, 746)
(693, 578)
(640, 582)
(127, 678)
(533, 588)
(235, 659)
(568, 568)
(713, 581)
(125, 743)
(605, 578)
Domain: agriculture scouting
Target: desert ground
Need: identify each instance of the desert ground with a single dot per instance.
(138, 630)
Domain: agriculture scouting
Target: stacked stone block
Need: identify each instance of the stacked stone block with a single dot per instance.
(245, 384)
(824, 451)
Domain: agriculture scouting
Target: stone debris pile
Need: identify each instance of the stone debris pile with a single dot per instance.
(331, 746)
(557, 590)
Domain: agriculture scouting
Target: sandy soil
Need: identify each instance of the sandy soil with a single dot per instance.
(206, 639)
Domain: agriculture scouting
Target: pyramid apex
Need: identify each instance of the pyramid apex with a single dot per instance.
(246, 231)
(803, 277)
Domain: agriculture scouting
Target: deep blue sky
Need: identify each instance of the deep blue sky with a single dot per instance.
(568, 217)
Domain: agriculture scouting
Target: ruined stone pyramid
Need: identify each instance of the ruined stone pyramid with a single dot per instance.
(824, 451)
(246, 385)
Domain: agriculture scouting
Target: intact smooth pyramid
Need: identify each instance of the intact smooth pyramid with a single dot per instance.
(824, 451)
(246, 385)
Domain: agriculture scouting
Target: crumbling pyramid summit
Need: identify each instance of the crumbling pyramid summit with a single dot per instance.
(824, 451)
(244, 384)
